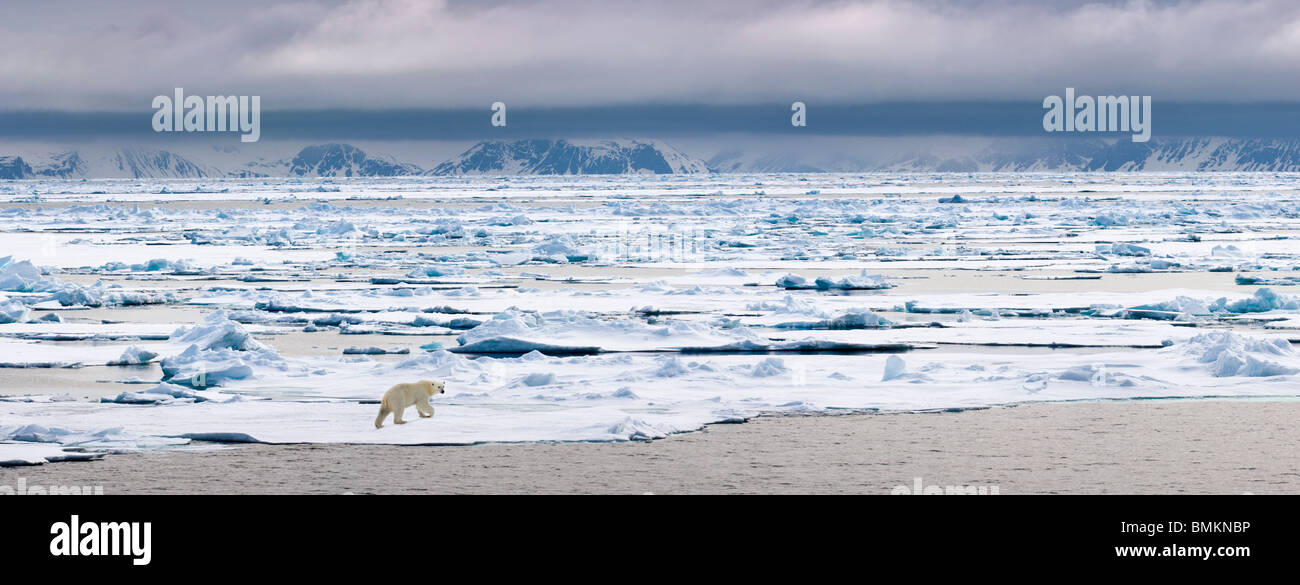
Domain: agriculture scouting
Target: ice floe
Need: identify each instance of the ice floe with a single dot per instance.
(629, 308)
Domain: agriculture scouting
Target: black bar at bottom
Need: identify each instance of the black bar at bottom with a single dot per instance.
(391, 536)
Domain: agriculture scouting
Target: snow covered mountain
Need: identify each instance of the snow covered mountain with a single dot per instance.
(146, 162)
(565, 157)
(1022, 155)
(64, 165)
(562, 157)
(14, 167)
(1170, 154)
(323, 160)
(345, 160)
(1200, 154)
(126, 162)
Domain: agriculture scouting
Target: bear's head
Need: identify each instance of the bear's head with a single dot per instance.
(433, 387)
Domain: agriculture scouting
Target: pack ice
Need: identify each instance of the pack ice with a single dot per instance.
(615, 308)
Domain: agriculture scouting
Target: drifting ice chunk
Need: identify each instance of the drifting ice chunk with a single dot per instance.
(1097, 375)
(895, 367)
(863, 281)
(20, 276)
(1244, 279)
(12, 454)
(1110, 219)
(634, 429)
(792, 281)
(560, 249)
(858, 319)
(376, 351)
(25, 277)
(1233, 354)
(1262, 301)
(339, 228)
(852, 319)
(133, 356)
(672, 367)
(13, 312)
(218, 331)
(170, 393)
(436, 270)
(1123, 249)
(200, 369)
(789, 304)
(539, 379)
(219, 350)
(769, 367)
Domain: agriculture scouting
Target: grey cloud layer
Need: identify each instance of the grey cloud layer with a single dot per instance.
(434, 54)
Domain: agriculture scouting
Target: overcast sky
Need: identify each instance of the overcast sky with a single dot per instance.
(116, 55)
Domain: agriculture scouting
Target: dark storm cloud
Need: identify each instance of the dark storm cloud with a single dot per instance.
(385, 54)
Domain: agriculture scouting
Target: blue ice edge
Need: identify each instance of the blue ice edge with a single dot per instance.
(224, 438)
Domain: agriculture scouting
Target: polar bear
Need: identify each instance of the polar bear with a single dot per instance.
(397, 398)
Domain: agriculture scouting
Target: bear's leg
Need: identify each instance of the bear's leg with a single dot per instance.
(426, 409)
(383, 412)
(397, 416)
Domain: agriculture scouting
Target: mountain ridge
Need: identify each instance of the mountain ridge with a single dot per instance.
(633, 156)
(562, 157)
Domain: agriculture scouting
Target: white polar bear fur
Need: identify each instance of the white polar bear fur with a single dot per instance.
(416, 394)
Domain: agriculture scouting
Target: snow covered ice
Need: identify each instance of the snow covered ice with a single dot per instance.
(614, 308)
